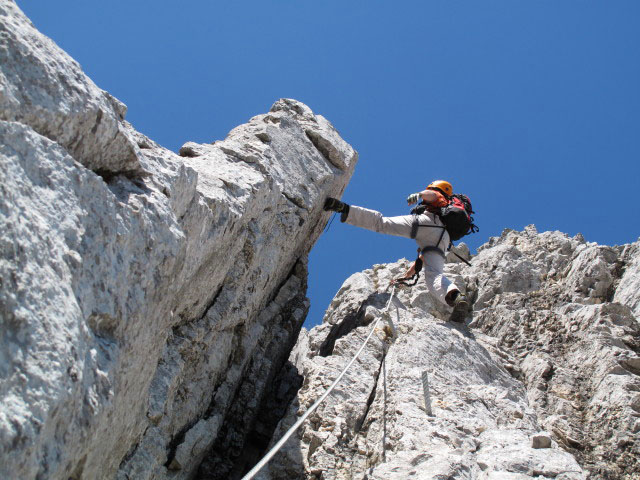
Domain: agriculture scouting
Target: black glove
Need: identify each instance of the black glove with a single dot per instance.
(337, 206)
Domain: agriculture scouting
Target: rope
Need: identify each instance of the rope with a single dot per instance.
(329, 223)
(301, 420)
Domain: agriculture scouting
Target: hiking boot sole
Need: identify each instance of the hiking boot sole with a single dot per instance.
(460, 312)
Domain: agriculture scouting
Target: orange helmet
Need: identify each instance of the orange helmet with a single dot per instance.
(442, 185)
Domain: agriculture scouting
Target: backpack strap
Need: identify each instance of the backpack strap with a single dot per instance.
(414, 227)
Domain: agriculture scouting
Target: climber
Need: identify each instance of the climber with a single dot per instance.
(432, 242)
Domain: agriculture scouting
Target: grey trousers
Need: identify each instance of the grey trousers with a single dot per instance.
(437, 283)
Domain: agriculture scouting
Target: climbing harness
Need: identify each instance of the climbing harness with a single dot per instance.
(456, 218)
(418, 264)
(317, 403)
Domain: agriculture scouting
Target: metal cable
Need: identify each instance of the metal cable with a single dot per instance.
(311, 409)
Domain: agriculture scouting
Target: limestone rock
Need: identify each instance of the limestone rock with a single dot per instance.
(541, 440)
(459, 253)
(434, 403)
(627, 289)
(575, 338)
(143, 317)
(44, 88)
(551, 346)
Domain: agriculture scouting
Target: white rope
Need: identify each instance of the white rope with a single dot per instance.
(295, 427)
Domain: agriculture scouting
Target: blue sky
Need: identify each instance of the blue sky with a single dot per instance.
(530, 108)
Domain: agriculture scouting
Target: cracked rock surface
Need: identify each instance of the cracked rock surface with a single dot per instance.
(146, 297)
(541, 381)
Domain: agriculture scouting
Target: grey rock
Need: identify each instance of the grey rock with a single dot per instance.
(552, 347)
(627, 289)
(44, 88)
(459, 253)
(475, 422)
(541, 440)
(574, 339)
(141, 315)
(137, 314)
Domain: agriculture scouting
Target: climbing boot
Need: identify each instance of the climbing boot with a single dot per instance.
(460, 306)
(337, 206)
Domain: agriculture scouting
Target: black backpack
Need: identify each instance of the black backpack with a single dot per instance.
(457, 217)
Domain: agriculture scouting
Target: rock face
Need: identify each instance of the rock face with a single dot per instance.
(542, 380)
(146, 297)
(45, 89)
(573, 339)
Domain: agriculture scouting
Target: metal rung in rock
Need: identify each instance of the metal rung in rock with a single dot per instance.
(427, 397)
